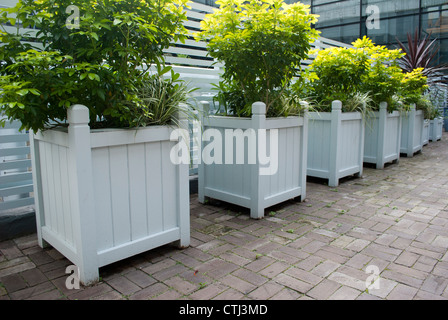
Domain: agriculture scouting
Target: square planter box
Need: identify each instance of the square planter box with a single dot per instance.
(412, 132)
(436, 129)
(426, 127)
(249, 183)
(105, 195)
(382, 137)
(335, 144)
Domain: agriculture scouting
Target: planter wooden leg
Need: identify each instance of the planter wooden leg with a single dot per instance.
(380, 164)
(88, 275)
(257, 213)
(333, 182)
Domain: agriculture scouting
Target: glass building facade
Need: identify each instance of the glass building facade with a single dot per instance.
(383, 21)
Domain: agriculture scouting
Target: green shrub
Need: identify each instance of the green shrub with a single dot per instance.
(362, 77)
(261, 43)
(102, 64)
(337, 75)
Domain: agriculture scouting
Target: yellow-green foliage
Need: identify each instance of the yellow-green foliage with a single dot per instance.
(343, 73)
(261, 43)
(337, 73)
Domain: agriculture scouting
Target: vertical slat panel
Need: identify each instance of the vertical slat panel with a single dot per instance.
(51, 188)
(59, 206)
(120, 194)
(289, 159)
(246, 175)
(137, 185)
(154, 180)
(103, 201)
(169, 192)
(65, 197)
(282, 165)
(296, 156)
(219, 169)
(45, 192)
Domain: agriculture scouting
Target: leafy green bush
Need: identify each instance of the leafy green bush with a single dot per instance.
(261, 43)
(337, 75)
(102, 64)
(362, 77)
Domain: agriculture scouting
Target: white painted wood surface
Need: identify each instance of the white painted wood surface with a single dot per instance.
(436, 129)
(412, 131)
(426, 129)
(335, 144)
(242, 184)
(105, 195)
(16, 185)
(382, 137)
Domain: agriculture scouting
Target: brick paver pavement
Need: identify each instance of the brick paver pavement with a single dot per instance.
(393, 221)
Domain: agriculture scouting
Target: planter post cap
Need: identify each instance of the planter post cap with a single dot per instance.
(383, 105)
(78, 114)
(259, 108)
(204, 106)
(413, 107)
(336, 105)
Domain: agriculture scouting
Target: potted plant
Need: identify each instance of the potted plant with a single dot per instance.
(336, 127)
(261, 44)
(100, 124)
(426, 128)
(413, 115)
(420, 54)
(433, 114)
(436, 126)
(382, 81)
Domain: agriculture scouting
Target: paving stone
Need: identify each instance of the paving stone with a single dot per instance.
(250, 276)
(266, 291)
(325, 268)
(50, 295)
(209, 292)
(345, 293)
(140, 278)
(435, 284)
(238, 284)
(385, 286)
(33, 277)
(407, 259)
(323, 290)
(150, 292)
(286, 294)
(123, 285)
(402, 292)
(293, 283)
(304, 275)
(13, 283)
(32, 291)
(274, 269)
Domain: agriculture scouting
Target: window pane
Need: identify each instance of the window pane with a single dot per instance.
(346, 34)
(390, 29)
(435, 23)
(443, 54)
(394, 8)
(433, 3)
(335, 13)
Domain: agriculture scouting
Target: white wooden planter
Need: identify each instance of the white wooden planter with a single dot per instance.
(105, 195)
(436, 129)
(426, 129)
(412, 132)
(242, 183)
(382, 137)
(335, 144)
